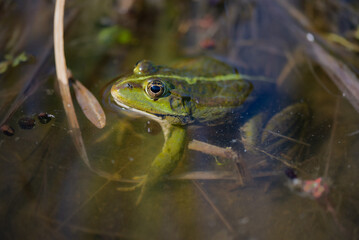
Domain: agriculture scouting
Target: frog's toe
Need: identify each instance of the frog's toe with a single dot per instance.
(128, 189)
(141, 185)
(139, 177)
(134, 187)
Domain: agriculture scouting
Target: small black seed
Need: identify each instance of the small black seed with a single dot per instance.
(44, 117)
(26, 123)
(7, 130)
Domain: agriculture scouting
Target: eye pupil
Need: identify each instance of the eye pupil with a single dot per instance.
(155, 89)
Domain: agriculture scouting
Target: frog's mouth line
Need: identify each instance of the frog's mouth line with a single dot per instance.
(160, 118)
(152, 116)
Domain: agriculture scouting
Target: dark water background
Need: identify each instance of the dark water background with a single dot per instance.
(46, 190)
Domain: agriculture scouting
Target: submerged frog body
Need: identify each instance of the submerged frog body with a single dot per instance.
(200, 91)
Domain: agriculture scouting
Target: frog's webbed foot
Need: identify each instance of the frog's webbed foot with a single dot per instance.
(141, 185)
(122, 127)
(164, 162)
(134, 187)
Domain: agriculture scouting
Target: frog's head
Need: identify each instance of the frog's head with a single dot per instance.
(148, 92)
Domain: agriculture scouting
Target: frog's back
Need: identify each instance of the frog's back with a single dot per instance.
(200, 90)
(213, 89)
(204, 66)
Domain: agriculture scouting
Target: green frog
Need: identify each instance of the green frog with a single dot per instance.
(199, 91)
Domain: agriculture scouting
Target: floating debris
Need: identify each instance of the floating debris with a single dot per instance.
(315, 188)
(45, 117)
(208, 44)
(7, 130)
(310, 188)
(26, 123)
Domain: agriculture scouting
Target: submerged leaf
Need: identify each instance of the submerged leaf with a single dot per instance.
(115, 35)
(89, 105)
(3, 66)
(10, 60)
(22, 57)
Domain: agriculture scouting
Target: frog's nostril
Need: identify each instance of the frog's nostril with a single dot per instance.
(128, 85)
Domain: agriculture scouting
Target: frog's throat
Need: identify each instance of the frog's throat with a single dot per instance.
(164, 124)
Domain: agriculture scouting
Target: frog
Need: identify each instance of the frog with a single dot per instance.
(201, 91)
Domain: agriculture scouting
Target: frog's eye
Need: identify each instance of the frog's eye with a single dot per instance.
(155, 89)
(144, 67)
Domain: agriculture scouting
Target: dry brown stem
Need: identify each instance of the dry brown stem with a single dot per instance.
(61, 72)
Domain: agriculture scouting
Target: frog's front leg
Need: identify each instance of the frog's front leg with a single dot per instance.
(166, 161)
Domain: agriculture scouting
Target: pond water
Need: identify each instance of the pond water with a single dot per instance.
(48, 192)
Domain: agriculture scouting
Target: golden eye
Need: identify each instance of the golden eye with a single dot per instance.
(144, 67)
(155, 89)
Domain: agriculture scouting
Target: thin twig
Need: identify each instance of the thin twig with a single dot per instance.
(353, 133)
(60, 61)
(63, 223)
(288, 138)
(213, 206)
(93, 231)
(275, 158)
(317, 78)
(206, 175)
(287, 69)
(241, 168)
(331, 139)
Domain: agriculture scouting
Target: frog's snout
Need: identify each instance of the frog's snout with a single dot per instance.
(116, 90)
